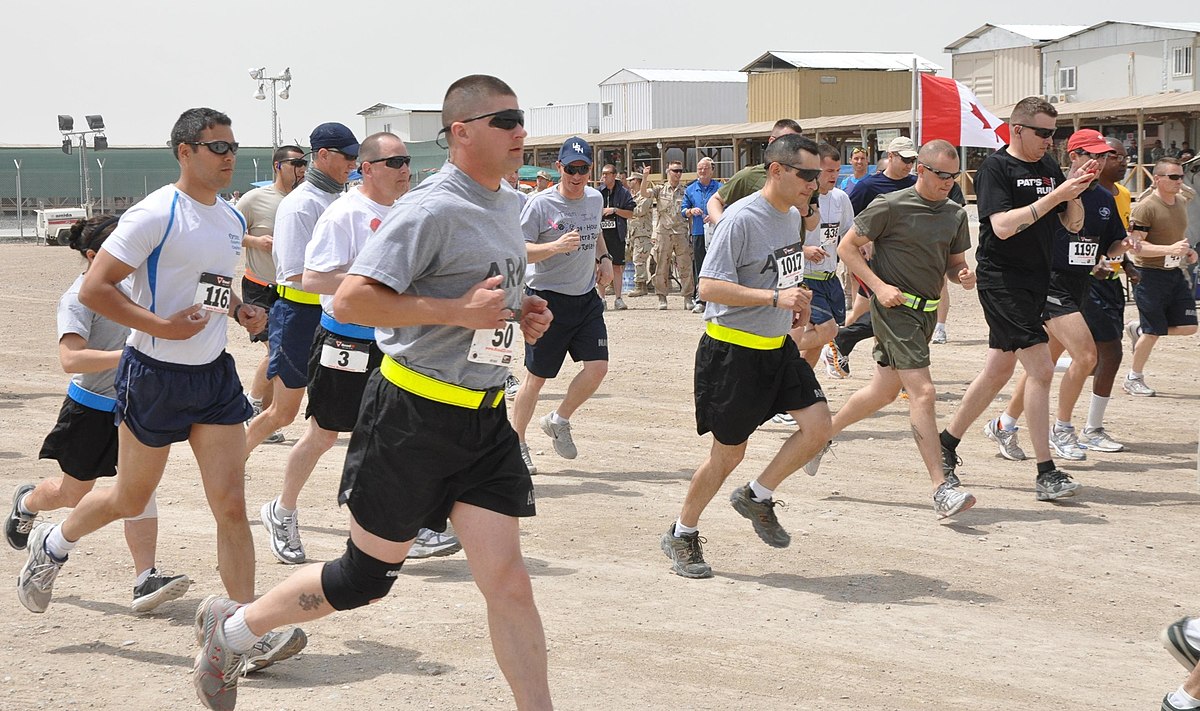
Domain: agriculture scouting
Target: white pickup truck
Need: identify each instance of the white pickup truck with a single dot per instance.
(54, 226)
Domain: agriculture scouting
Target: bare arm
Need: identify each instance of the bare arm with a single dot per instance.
(1018, 219)
(716, 208)
(850, 252)
(367, 302)
(569, 242)
(99, 293)
(323, 282)
(76, 357)
(959, 272)
(731, 294)
(263, 242)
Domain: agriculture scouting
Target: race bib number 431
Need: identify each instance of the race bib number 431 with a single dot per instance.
(494, 346)
(789, 265)
(213, 292)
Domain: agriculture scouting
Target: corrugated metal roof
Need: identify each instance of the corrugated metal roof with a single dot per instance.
(1042, 33)
(685, 75)
(1124, 106)
(401, 107)
(1178, 26)
(874, 61)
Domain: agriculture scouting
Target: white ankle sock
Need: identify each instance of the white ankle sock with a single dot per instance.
(681, 529)
(238, 635)
(281, 512)
(760, 493)
(21, 504)
(1135, 376)
(143, 576)
(57, 546)
(1008, 424)
(1096, 412)
(1181, 699)
(1060, 425)
(556, 419)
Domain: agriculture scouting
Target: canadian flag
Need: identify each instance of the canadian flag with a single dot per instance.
(950, 111)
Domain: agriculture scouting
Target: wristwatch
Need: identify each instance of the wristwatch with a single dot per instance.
(602, 257)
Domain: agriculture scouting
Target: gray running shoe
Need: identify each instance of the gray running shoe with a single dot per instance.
(561, 434)
(275, 646)
(18, 525)
(1065, 444)
(1005, 440)
(35, 585)
(1096, 438)
(948, 500)
(837, 366)
(525, 457)
(784, 418)
(1176, 642)
(511, 386)
(619, 304)
(431, 544)
(285, 534)
(698, 308)
(762, 515)
(950, 464)
(217, 668)
(939, 336)
(1137, 386)
(1133, 329)
(687, 557)
(812, 466)
(1055, 484)
(1168, 706)
(157, 589)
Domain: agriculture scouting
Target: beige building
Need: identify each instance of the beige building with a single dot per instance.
(811, 84)
(1002, 64)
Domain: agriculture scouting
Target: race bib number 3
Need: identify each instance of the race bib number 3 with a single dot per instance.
(213, 292)
(789, 265)
(341, 354)
(494, 346)
(1083, 254)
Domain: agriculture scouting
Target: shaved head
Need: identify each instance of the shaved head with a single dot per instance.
(466, 97)
(937, 149)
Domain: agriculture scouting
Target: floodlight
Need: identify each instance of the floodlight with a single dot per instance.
(284, 94)
(101, 143)
(66, 146)
(65, 122)
(260, 94)
(257, 73)
(287, 74)
(95, 122)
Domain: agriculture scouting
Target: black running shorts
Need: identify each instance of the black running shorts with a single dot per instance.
(1014, 318)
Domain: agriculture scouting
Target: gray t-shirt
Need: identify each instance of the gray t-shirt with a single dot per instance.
(100, 334)
(443, 237)
(294, 223)
(548, 216)
(743, 252)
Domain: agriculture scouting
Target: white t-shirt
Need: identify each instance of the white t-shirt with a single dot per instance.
(170, 240)
(294, 223)
(340, 234)
(837, 216)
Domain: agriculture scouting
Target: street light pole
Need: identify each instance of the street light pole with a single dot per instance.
(255, 160)
(20, 202)
(101, 164)
(66, 124)
(286, 79)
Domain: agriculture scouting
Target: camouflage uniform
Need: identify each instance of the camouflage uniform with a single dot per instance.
(641, 243)
(672, 239)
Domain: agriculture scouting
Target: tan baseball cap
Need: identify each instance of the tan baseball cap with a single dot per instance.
(904, 146)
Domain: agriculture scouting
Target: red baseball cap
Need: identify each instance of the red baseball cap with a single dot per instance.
(1088, 140)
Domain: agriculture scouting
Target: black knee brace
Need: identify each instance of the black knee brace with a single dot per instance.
(356, 579)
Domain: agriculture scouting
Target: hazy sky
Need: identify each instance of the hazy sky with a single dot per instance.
(140, 63)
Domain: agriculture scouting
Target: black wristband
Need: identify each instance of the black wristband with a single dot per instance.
(775, 298)
(602, 257)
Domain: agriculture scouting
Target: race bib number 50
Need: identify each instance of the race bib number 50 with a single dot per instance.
(494, 346)
(213, 292)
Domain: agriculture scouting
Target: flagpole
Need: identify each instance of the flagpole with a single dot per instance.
(912, 123)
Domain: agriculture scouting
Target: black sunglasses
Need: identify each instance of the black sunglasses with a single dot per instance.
(505, 120)
(1172, 176)
(808, 175)
(944, 175)
(393, 162)
(343, 154)
(674, 170)
(295, 162)
(218, 147)
(1039, 132)
(577, 169)
(906, 160)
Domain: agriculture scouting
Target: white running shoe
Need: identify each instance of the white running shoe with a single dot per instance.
(1006, 440)
(285, 534)
(1096, 438)
(511, 386)
(1137, 386)
(835, 363)
(431, 544)
(939, 335)
(1065, 445)
(564, 444)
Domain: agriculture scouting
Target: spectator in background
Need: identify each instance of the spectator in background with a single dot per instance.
(858, 161)
(695, 207)
(543, 181)
(671, 235)
(640, 236)
(618, 208)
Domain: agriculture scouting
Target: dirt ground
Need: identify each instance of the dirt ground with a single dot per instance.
(1018, 604)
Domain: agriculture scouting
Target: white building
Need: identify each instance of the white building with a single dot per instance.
(1115, 59)
(563, 119)
(1002, 64)
(641, 99)
(411, 122)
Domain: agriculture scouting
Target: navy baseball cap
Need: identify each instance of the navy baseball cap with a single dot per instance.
(334, 135)
(574, 150)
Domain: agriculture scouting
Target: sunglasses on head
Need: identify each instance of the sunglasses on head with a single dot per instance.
(577, 169)
(943, 174)
(294, 162)
(808, 175)
(1042, 133)
(218, 147)
(1172, 176)
(393, 162)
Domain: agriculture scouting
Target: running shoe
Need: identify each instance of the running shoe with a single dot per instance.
(1065, 445)
(949, 501)
(1176, 642)
(812, 466)
(1137, 386)
(285, 534)
(217, 668)
(1096, 438)
(431, 544)
(18, 525)
(950, 464)
(1055, 484)
(511, 386)
(939, 335)
(564, 445)
(157, 589)
(1168, 706)
(686, 554)
(698, 308)
(35, 585)
(688, 304)
(275, 646)
(527, 459)
(784, 418)
(619, 304)
(1133, 329)
(276, 437)
(836, 365)
(762, 515)
(1006, 440)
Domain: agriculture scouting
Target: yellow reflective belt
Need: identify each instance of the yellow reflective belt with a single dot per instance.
(917, 303)
(438, 391)
(742, 338)
(296, 295)
(819, 276)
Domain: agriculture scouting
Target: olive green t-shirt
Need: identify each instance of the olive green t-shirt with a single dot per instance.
(914, 239)
(1167, 225)
(746, 181)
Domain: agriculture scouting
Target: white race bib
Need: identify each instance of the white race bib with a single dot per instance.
(494, 346)
(1082, 254)
(1171, 261)
(789, 265)
(608, 224)
(829, 236)
(213, 292)
(350, 356)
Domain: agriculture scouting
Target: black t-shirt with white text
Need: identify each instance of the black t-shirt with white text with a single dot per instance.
(1022, 261)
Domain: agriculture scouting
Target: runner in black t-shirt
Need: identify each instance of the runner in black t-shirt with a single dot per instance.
(1019, 187)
